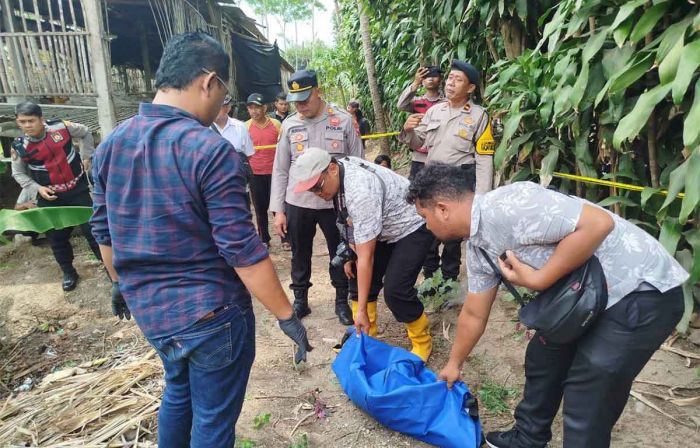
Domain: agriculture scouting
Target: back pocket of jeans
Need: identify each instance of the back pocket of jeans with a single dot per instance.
(209, 349)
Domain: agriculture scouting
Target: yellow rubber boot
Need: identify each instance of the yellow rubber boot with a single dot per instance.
(371, 313)
(419, 334)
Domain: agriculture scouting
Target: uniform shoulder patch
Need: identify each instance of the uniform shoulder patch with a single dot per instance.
(486, 144)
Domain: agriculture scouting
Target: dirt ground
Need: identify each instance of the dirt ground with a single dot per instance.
(43, 330)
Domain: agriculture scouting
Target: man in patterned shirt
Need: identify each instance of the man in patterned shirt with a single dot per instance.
(544, 235)
(177, 238)
(389, 238)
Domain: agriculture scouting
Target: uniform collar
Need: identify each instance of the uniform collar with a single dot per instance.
(36, 139)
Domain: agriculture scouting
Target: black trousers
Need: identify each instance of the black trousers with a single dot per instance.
(60, 239)
(451, 259)
(594, 375)
(415, 168)
(396, 268)
(260, 191)
(301, 230)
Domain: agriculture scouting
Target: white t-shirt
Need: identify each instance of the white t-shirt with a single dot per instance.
(237, 134)
(363, 200)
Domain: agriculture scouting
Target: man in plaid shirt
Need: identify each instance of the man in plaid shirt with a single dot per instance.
(175, 230)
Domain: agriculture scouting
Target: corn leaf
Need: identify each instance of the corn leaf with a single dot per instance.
(689, 62)
(610, 200)
(675, 185)
(625, 11)
(693, 238)
(669, 65)
(631, 73)
(632, 123)
(691, 129)
(692, 187)
(648, 20)
(594, 44)
(548, 164)
(670, 234)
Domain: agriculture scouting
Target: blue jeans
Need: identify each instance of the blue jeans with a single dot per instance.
(206, 373)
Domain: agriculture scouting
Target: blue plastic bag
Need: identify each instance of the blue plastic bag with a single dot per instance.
(394, 386)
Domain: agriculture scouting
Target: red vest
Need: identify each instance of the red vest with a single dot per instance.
(52, 160)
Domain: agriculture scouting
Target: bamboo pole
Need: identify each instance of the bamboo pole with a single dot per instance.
(16, 59)
(4, 68)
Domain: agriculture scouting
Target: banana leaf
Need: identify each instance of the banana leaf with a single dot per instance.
(42, 219)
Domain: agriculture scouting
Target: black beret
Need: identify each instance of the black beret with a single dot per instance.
(468, 69)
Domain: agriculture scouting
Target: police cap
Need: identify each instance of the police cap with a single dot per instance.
(468, 69)
(300, 85)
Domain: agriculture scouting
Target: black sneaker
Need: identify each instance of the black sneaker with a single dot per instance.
(70, 280)
(506, 439)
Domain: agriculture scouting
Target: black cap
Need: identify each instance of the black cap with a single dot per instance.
(468, 69)
(255, 98)
(433, 71)
(300, 85)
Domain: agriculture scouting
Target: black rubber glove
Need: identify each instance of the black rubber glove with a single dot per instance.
(293, 328)
(119, 307)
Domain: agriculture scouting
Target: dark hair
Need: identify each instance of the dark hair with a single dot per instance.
(184, 57)
(438, 180)
(281, 96)
(383, 158)
(28, 108)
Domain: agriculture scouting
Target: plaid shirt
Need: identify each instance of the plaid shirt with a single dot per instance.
(170, 199)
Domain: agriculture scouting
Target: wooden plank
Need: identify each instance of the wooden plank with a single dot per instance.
(4, 67)
(47, 33)
(45, 52)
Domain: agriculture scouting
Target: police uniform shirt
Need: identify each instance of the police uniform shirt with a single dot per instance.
(457, 137)
(331, 130)
(406, 101)
(80, 134)
(377, 210)
(530, 220)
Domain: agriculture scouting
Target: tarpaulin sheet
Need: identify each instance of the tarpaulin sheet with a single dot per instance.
(394, 386)
(257, 68)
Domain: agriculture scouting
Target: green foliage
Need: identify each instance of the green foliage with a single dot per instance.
(301, 442)
(261, 420)
(245, 443)
(436, 291)
(601, 89)
(495, 396)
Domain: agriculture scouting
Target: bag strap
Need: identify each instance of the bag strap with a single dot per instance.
(509, 285)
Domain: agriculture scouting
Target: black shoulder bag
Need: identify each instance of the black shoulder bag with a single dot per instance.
(567, 309)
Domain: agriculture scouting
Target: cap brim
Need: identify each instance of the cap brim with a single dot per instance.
(306, 185)
(298, 96)
(257, 103)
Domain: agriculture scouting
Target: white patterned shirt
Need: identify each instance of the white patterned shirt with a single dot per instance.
(363, 200)
(530, 220)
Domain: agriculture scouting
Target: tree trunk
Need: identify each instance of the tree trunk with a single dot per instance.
(372, 78)
(513, 36)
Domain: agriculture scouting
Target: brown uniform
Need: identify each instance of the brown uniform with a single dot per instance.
(458, 137)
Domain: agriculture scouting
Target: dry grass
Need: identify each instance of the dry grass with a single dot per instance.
(110, 407)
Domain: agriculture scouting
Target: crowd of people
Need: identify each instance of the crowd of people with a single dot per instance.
(173, 225)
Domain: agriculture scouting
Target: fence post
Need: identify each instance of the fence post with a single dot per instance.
(99, 65)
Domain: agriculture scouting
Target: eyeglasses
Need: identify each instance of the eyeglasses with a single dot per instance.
(227, 97)
(319, 185)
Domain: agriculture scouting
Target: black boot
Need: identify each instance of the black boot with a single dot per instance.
(301, 303)
(70, 279)
(342, 310)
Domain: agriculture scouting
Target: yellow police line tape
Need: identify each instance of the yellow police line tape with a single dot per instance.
(574, 177)
(364, 137)
(608, 183)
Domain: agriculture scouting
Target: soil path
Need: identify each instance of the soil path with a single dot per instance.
(78, 326)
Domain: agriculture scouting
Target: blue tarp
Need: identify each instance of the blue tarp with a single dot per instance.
(394, 386)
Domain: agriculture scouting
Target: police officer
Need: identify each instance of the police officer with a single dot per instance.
(456, 132)
(430, 78)
(45, 158)
(315, 124)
